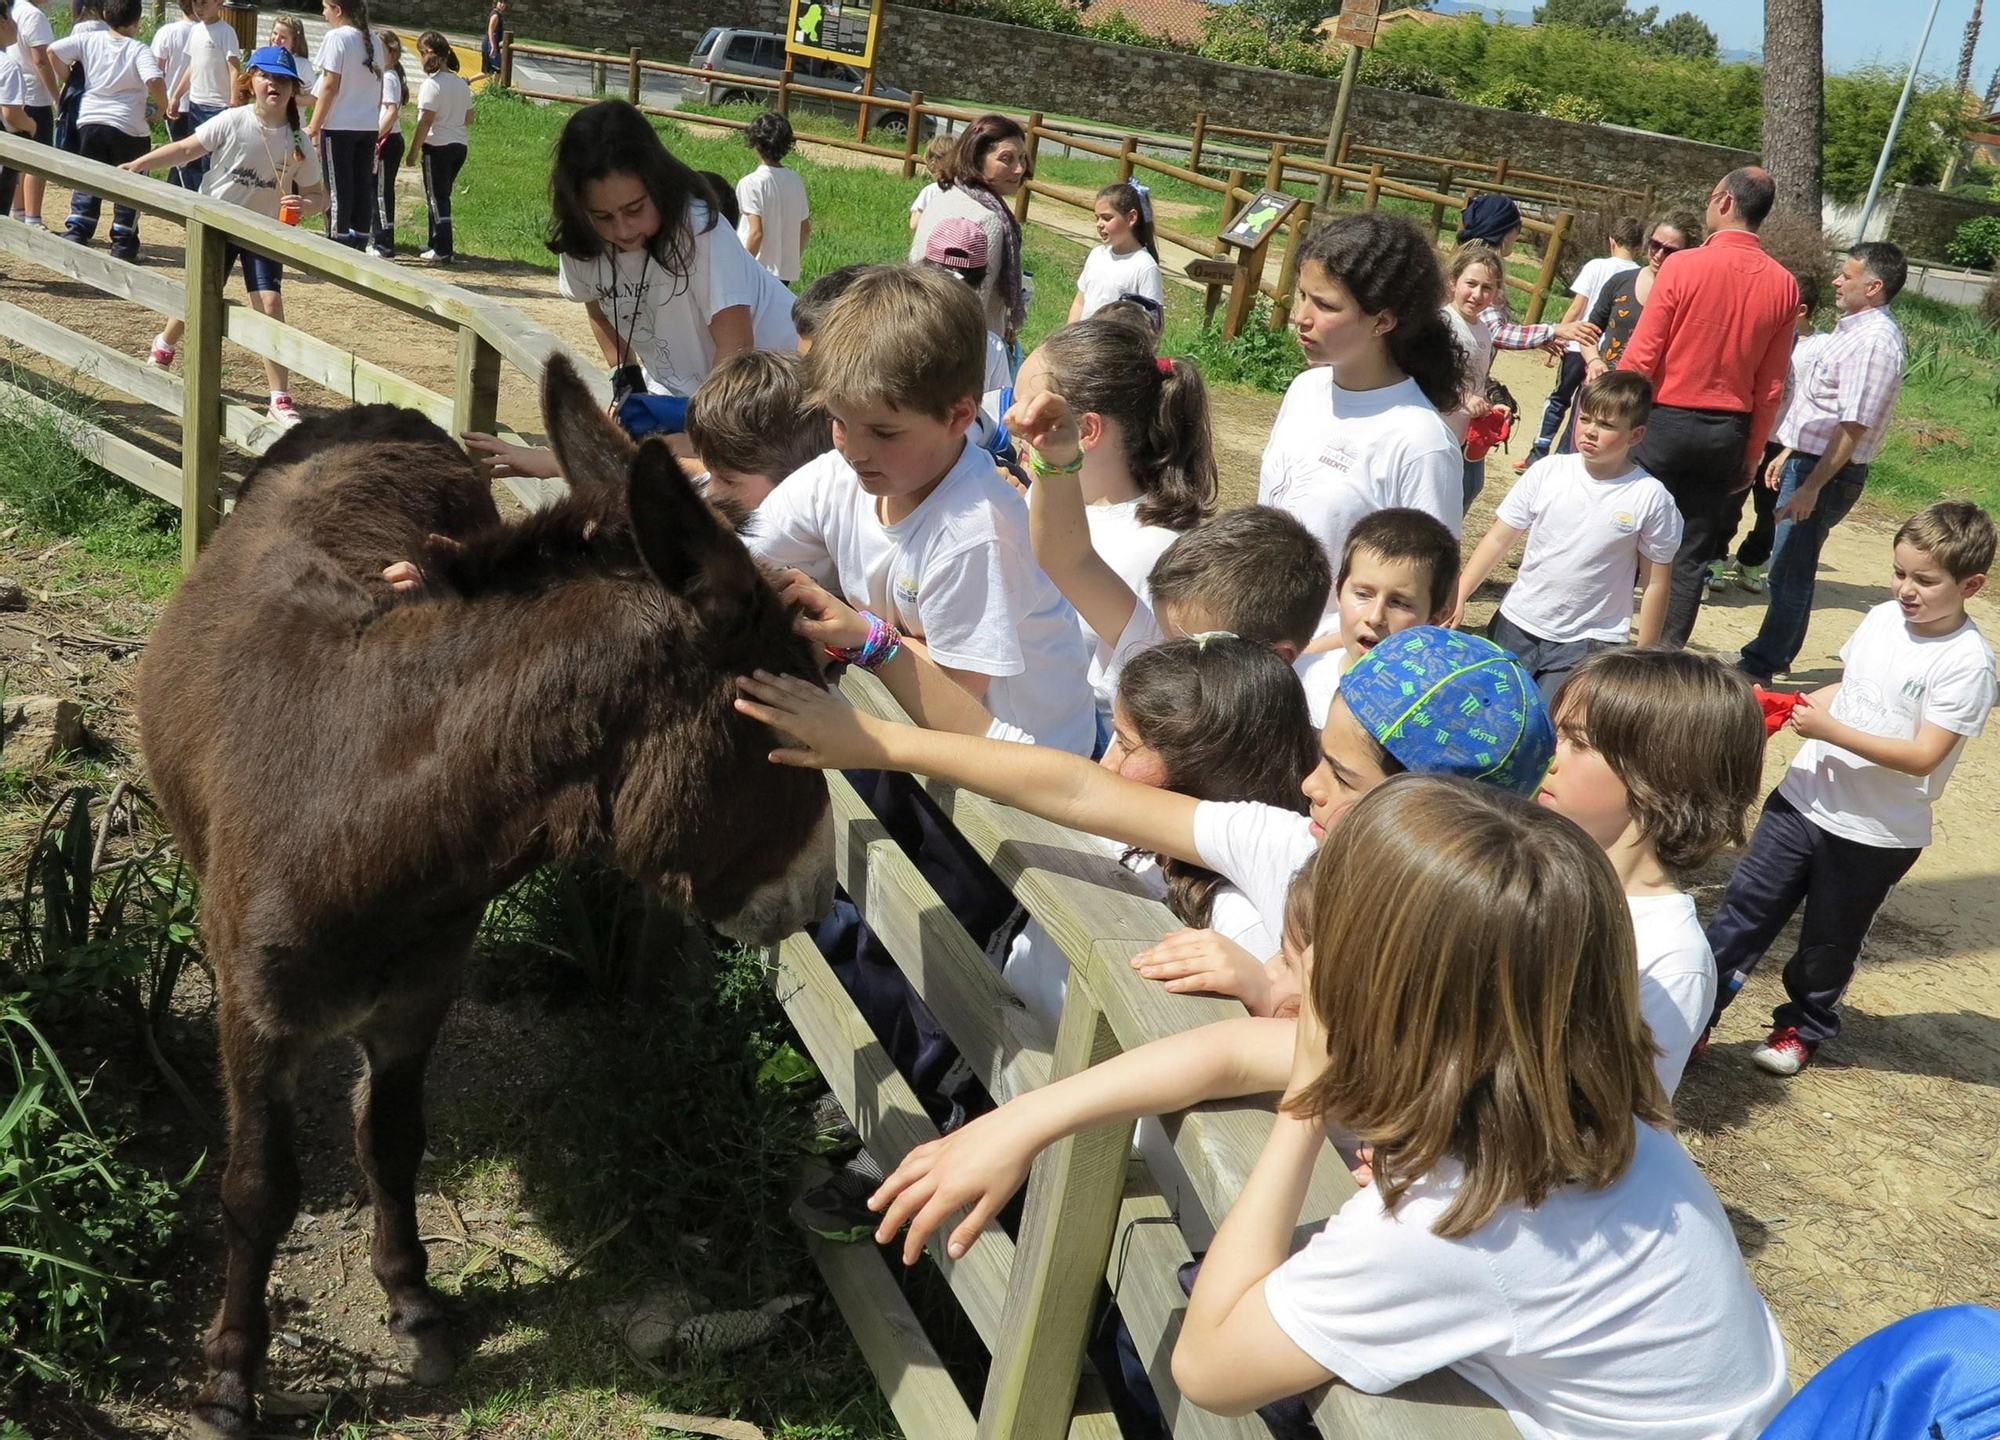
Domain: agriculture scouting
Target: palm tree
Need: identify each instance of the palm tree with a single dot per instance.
(1963, 90)
(1794, 103)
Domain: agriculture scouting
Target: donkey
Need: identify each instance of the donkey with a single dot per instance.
(353, 773)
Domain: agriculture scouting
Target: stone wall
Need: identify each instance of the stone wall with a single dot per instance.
(946, 55)
(1924, 221)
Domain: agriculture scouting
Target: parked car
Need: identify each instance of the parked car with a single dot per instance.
(725, 51)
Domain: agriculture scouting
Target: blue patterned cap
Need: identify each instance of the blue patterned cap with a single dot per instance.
(1447, 703)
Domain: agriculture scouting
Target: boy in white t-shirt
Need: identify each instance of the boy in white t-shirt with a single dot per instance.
(1853, 812)
(120, 74)
(1626, 235)
(170, 44)
(777, 221)
(1592, 520)
(207, 82)
(32, 37)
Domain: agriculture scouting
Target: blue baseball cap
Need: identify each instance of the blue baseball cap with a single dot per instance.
(1447, 703)
(274, 60)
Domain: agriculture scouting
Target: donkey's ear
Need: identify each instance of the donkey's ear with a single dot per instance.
(684, 542)
(595, 454)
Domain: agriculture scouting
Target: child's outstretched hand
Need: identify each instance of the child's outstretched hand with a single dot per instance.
(824, 618)
(1204, 962)
(1047, 425)
(1812, 713)
(826, 733)
(981, 1164)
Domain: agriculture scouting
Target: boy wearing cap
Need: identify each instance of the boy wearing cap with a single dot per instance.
(119, 73)
(957, 246)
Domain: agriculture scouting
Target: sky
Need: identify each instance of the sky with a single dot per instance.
(1860, 32)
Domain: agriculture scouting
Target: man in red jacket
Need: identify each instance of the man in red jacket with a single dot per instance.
(1715, 339)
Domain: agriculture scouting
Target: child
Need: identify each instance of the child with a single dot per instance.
(1146, 316)
(207, 83)
(120, 73)
(1142, 441)
(288, 32)
(751, 426)
(1853, 812)
(85, 16)
(777, 221)
(1363, 430)
(388, 146)
(1658, 757)
(262, 160)
(13, 97)
(1627, 233)
(937, 160)
(347, 116)
(1591, 519)
(809, 310)
(957, 246)
(444, 110)
(170, 49)
(1126, 262)
(32, 37)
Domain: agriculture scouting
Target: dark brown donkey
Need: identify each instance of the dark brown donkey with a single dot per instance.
(355, 773)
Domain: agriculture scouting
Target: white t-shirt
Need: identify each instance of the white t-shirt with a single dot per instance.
(1131, 549)
(1894, 681)
(778, 197)
(1319, 672)
(253, 165)
(999, 372)
(1597, 1315)
(958, 573)
(170, 45)
(394, 91)
(771, 326)
(210, 48)
(449, 100)
(1676, 977)
(308, 77)
(116, 69)
(1257, 848)
(12, 89)
(1477, 343)
(666, 318)
(1336, 456)
(1586, 538)
(358, 105)
(929, 193)
(1590, 282)
(1106, 277)
(35, 32)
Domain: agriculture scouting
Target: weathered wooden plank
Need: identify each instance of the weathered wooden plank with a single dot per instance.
(885, 1112)
(1066, 1227)
(201, 391)
(476, 384)
(324, 363)
(121, 278)
(121, 457)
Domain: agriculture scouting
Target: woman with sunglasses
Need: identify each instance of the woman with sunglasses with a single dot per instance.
(1617, 310)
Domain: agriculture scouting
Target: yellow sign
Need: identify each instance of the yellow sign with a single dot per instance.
(834, 30)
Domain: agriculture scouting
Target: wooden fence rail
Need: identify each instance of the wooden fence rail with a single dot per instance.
(482, 334)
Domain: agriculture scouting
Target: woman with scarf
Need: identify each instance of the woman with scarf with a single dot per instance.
(987, 170)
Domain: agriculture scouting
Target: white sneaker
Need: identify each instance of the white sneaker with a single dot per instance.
(34, 222)
(435, 258)
(379, 253)
(283, 413)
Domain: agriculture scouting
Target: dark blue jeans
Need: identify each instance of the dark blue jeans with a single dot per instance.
(1794, 565)
(1568, 381)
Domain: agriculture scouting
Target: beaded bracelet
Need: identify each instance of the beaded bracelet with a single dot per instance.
(1039, 466)
(882, 645)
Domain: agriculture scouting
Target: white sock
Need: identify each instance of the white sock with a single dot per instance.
(277, 395)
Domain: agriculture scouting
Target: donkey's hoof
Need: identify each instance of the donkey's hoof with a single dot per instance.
(215, 1419)
(430, 1355)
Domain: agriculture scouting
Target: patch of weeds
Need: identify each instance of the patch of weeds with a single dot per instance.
(1260, 357)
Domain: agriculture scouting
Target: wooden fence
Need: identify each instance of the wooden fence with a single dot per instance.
(1372, 182)
(485, 335)
(1092, 1216)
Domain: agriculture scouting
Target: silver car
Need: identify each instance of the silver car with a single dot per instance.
(761, 53)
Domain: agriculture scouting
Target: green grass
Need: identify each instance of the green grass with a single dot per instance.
(1949, 413)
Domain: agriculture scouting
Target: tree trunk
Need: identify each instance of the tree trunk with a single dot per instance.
(1794, 103)
(1965, 51)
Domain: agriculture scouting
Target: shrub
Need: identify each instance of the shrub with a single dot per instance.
(1118, 28)
(1797, 243)
(1383, 73)
(1261, 357)
(1516, 95)
(1579, 108)
(1976, 243)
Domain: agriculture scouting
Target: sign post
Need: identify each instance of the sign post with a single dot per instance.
(839, 30)
(1249, 234)
(1355, 29)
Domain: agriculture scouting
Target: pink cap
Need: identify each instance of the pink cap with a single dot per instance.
(957, 242)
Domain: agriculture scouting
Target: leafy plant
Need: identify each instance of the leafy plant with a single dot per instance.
(1516, 95)
(1580, 108)
(1262, 357)
(1976, 243)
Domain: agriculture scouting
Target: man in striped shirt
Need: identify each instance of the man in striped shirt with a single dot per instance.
(1837, 421)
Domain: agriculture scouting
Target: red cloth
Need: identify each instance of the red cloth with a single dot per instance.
(1717, 330)
(1487, 431)
(1778, 706)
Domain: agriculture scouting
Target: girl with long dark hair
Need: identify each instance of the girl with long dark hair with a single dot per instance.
(346, 116)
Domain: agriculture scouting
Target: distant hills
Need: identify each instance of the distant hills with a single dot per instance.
(1526, 17)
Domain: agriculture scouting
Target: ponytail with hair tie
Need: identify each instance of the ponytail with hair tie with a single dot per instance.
(1166, 366)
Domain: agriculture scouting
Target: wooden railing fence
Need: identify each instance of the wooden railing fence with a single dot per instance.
(1092, 1215)
(485, 335)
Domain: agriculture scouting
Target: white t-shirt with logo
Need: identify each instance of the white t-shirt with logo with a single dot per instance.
(1590, 282)
(1107, 276)
(1597, 1315)
(358, 105)
(777, 196)
(1131, 549)
(170, 44)
(957, 573)
(1337, 456)
(449, 100)
(116, 69)
(1894, 681)
(1676, 978)
(35, 32)
(1319, 671)
(252, 164)
(13, 91)
(209, 49)
(666, 317)
(1586, 539)
(1257, 848)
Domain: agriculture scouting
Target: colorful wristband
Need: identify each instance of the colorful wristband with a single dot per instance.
(882, 645)
(1039, 466)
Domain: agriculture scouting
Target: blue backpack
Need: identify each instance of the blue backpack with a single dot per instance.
(1934, 1375)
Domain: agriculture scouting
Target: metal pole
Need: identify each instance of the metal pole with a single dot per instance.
(1895, 124)
(1349, 71)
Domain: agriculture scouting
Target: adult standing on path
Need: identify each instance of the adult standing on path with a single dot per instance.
(988, 169)
(1838, 419)
(1715, 339)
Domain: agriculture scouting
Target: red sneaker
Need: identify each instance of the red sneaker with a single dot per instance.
(1700, 1044)
(1521, 465)
(1783, 1053)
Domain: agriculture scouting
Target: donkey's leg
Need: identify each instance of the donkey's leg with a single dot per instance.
(260, 1195)
(389, 1141)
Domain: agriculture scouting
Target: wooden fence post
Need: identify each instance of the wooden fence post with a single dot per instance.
(785, 91)
(1500, 172)
(1374, 194)
(1034, 149)
(1071, 1212)
(1243, 298)
(910, 133)
(507, 60)
(1437, 210)
(201, 390)
(632, 77)
(1288, 273)
(861, 120)
(1126, 151)
(475, 399)
(1194, 150)
(599, 76)
(1346, 144)
(1230, 204)
(1539, 299)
